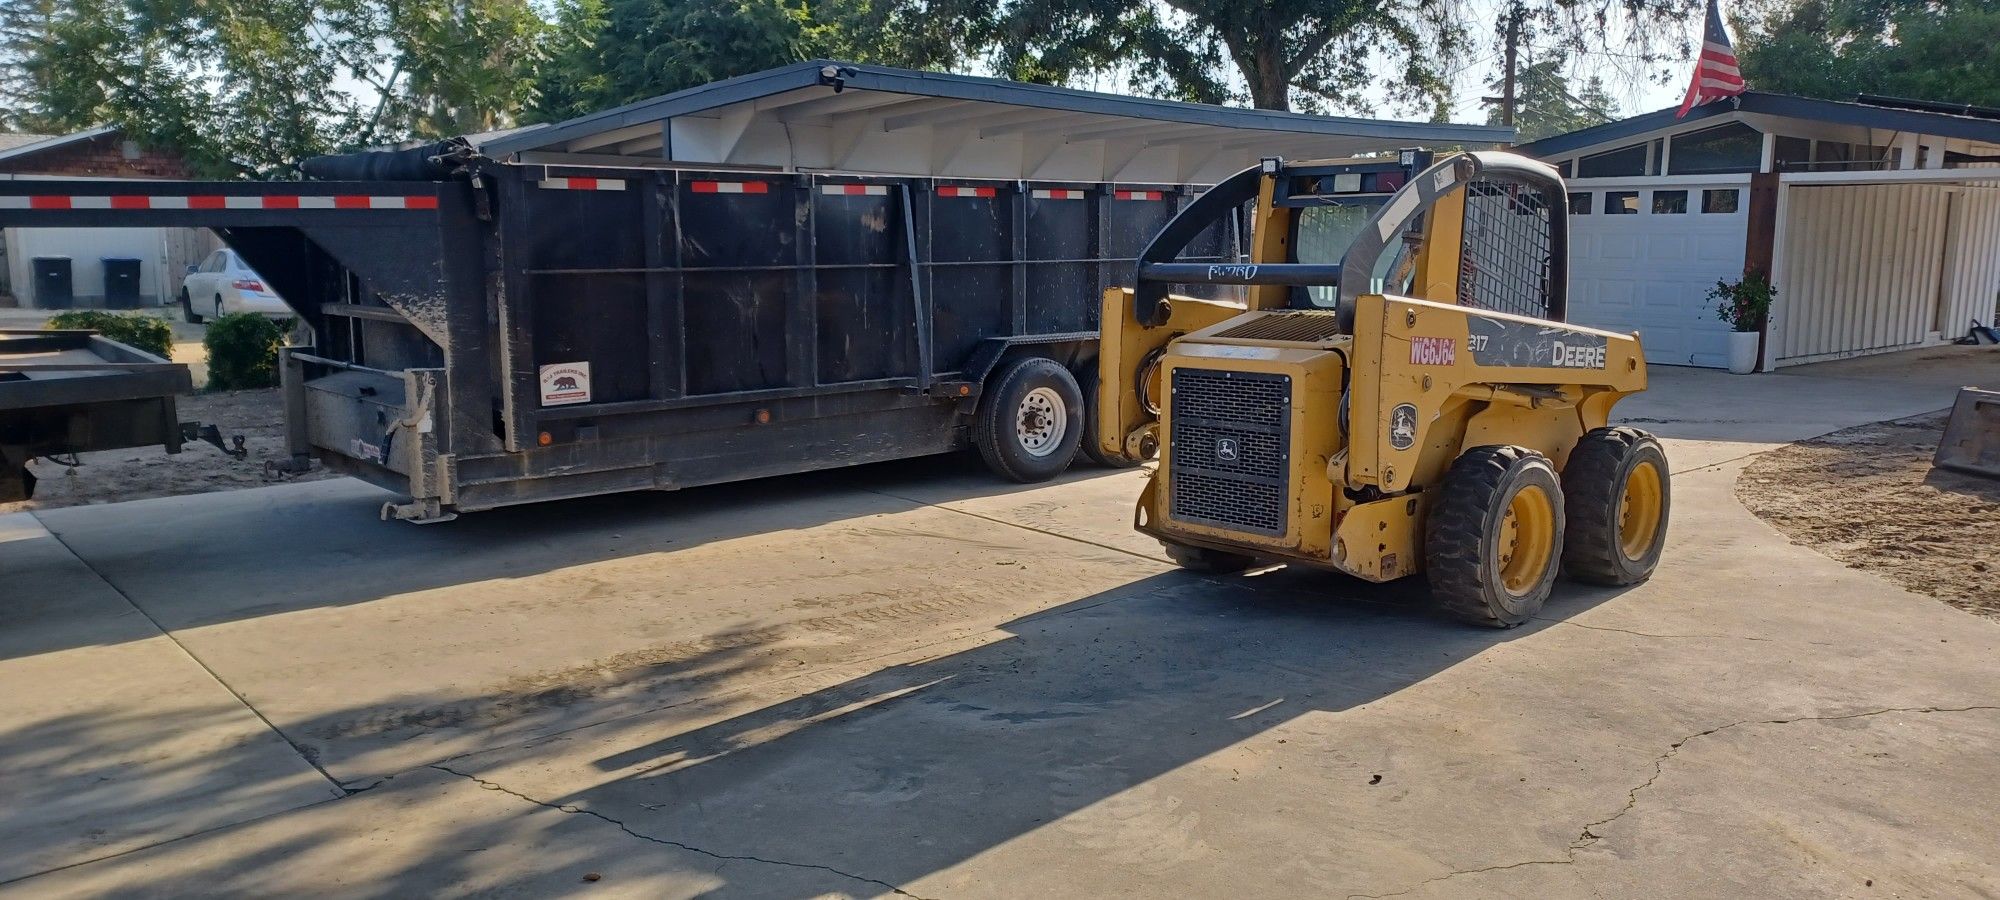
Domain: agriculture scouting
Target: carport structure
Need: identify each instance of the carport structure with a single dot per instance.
(1878, 221)
(834, 116)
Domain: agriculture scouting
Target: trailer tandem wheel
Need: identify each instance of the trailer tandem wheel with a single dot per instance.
(1030, 420)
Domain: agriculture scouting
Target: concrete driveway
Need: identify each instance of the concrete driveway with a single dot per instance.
(908, 680)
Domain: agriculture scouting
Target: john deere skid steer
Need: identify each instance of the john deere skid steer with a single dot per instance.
(1402, 394)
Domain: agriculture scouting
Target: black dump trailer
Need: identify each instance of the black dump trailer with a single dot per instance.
(490, 333)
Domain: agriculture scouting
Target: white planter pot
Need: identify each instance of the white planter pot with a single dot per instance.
(1742, 352)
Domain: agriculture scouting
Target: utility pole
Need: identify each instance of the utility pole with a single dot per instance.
(1509, 97)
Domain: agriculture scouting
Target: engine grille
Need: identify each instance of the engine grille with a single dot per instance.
(1303, 326)
(1228, 464)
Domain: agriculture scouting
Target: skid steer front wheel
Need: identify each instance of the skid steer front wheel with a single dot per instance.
(1618, 495)
(1495, 536)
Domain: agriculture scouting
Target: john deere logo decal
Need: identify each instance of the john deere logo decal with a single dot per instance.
(1403, 426)
(1225, 449)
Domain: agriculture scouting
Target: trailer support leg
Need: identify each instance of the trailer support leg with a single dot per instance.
(292, 381)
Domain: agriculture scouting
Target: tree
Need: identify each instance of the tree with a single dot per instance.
(1934, 50)
(1312, 53)
(1545, 105)
(651, 47)
(250, 87)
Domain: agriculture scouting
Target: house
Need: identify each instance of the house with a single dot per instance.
(1877, 220)
(37, 264)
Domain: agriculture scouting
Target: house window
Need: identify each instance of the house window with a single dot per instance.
(1659, 154)
(1734, 147)
(1579, 203)
(1568, 169)
(1719, 200)
(1621, 203)
(1624, 161)
(1669, 202)
(1791, 154)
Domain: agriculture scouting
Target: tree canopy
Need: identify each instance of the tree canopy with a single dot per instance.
(1946, 50)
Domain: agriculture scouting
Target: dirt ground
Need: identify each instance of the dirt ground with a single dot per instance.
(116, 475)
(1868, 496)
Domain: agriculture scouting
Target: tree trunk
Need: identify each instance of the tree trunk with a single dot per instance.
(1270, 86)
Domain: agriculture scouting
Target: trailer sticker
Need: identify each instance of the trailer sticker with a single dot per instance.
(729, 187)
(565, 383)
(583, 184)
(965, 192)
(1140, 195)
(213, 201)
(1058, 194)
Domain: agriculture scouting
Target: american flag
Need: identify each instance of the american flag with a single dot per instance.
(1715, 72)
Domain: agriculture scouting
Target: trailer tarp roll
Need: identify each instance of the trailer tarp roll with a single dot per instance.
(427, 163)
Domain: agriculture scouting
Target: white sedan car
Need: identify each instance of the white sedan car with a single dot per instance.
(222, 284)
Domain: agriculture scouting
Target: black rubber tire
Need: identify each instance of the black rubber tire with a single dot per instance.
(1462, 535)
(996, 426)
(1087, 383)
(1202, 559)
(187, 310)
(1594, 490)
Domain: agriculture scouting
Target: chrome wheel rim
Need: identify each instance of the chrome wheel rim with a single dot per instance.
(1041, 422)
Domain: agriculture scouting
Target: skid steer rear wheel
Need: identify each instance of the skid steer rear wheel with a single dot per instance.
(1202, 559)
(1495, 535)
(1087, 382)
(1618, 497)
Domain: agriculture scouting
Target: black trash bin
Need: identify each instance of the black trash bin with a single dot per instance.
(53, 286)
(121, 282)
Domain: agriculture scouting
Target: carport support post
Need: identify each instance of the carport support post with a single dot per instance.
(1760, 244)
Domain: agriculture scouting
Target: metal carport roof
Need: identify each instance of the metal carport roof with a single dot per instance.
(825, 115)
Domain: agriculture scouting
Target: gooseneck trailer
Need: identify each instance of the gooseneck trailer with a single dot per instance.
(512, 333)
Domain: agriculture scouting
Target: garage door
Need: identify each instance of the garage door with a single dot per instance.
(1644, 253)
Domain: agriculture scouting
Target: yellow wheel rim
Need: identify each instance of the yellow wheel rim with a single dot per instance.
(1527, 539)
(1639, 511)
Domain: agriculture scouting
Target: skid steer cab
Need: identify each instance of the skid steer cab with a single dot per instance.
(1399, 393)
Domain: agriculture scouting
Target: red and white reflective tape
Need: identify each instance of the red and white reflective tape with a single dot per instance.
(729, 187)
(965, 192)
(854, 190)
(1141, 195)
(1058, 194)
(213, 201)
(583, 184)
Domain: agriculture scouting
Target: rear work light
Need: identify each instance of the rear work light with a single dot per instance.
(248, 284)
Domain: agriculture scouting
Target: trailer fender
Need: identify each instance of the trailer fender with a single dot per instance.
(1068, 348)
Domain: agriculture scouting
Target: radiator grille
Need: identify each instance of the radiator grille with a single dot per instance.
(1230, 434)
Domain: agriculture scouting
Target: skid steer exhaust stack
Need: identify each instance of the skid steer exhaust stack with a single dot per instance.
(1972, 436)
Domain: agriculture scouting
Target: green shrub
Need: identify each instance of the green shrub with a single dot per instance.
(141, 331)
(242, 352)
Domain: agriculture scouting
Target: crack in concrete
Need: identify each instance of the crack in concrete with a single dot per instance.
(572, 809)
(1586, 836)
(1651, 634)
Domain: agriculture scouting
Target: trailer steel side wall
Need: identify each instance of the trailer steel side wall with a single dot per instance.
(532, 332)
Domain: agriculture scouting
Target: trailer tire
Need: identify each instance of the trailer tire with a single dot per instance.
(1493, 542)
(187, 310)
(1087, 383)
(1202, 559)
(1618, 497)
(1030, 420)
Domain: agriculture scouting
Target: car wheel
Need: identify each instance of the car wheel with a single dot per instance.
(187, 310)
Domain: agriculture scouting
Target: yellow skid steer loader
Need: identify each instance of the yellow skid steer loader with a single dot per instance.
(1399, 394)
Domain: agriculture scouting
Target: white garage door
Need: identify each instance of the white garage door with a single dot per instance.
(1648, 269)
